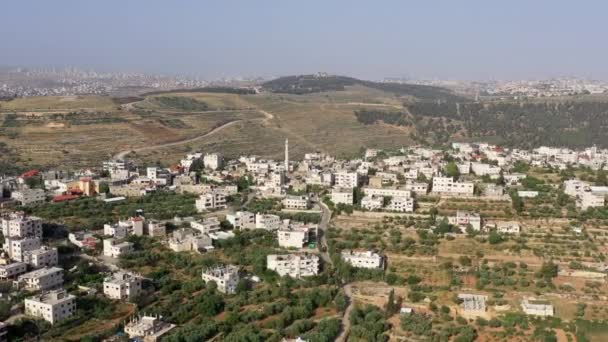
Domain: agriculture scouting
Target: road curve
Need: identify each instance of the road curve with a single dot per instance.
(122, 154)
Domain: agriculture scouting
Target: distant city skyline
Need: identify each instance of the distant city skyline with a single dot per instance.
(470, 40)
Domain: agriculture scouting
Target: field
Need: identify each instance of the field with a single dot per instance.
(84, 130)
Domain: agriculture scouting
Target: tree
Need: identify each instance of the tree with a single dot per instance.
(104, 188)
(392, 304)
(451, 170)
(494, 238)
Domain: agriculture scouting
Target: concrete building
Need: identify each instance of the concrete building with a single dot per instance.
(296, 236)
(122, 286)
(401, 204)
(473, 303)
(207, 225)
(83, 239)
(19, 225)
(342, 195)
(147, 328)
(447, 185)
(116, 230)
(345, 179)
(42, 257)
(463, 219)
(372, 202)
(12, 270)
(157, 229)
(588, 200)
(213, 161)
(241, 220)
(537, 307)
(392, 192)
(225, 277)
(296, 202)
(53, 307)
(510, 227)
(418, 188)
(527, 193)
(42, 279)
(16, 247)
(213, 199)
(267, 221)
(113, 248)
(187, 241)
(295, 265)
(366, 259)
(29, 196)
(575, 187)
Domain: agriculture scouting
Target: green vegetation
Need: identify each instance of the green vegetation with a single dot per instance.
(181, 103)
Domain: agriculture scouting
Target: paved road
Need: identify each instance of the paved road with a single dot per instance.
(322, 245)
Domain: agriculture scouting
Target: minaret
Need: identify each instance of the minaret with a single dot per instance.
(286, 156)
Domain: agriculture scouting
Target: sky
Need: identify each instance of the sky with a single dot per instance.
(457, 39)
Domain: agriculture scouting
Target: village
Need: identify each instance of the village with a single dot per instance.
(480, 230)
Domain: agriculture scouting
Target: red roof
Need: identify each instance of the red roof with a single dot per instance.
(63, 198)
(30, 173)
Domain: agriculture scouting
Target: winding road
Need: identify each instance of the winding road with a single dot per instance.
(120, 155)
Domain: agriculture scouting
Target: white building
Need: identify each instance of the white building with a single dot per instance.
(42, 279)
(447, 185)
(12, 270)
(342, 195)
(575, 187)
(15, 248)
(116, 230)
(296, 202)
(19, 225)
(510, 227)
(481, 169)
(588, 200)
(418, 188)
(29, 196)
(346, 179)
(213, 161)
(207, 225)
(157, 229)
(242, 220)
(225, 277)
(295, 265)
(114, 248)
(42, 257)
(473, 303)
(122, 286)
(186, 241)
(392, 192)
(53, 307)
(527, 193)
(147, 328)
(463, 219)
(401, 204)
(296, 235)
(372, 202)
(536, 307)
(366, 259)
(267, 221)
(211, 200)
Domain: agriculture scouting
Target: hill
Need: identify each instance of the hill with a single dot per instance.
(307, 84)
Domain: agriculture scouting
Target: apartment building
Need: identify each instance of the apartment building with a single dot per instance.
(114, 248)
(225, 277)
(401, 204)
(481, 169)
(296, 235)
(362, 259)
(294, 265)
(53, 307)
(372, 202)
(41, 279)
(213, 161)
(157, 229)
(447, 185)
(19, 225)
(12, 270)
(418, 188)
(29, 196)
(207, 225)
(242, 220)
(267, 221)
(588, 200)
(342, 195)
(392, 192)
(213, 199)
(16, 247)
(116, 230)
(122, 285)
(296, 202)
(42, 257)
(147, 328)
(346, 179)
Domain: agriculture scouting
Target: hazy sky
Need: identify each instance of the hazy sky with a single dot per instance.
(372, 39)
